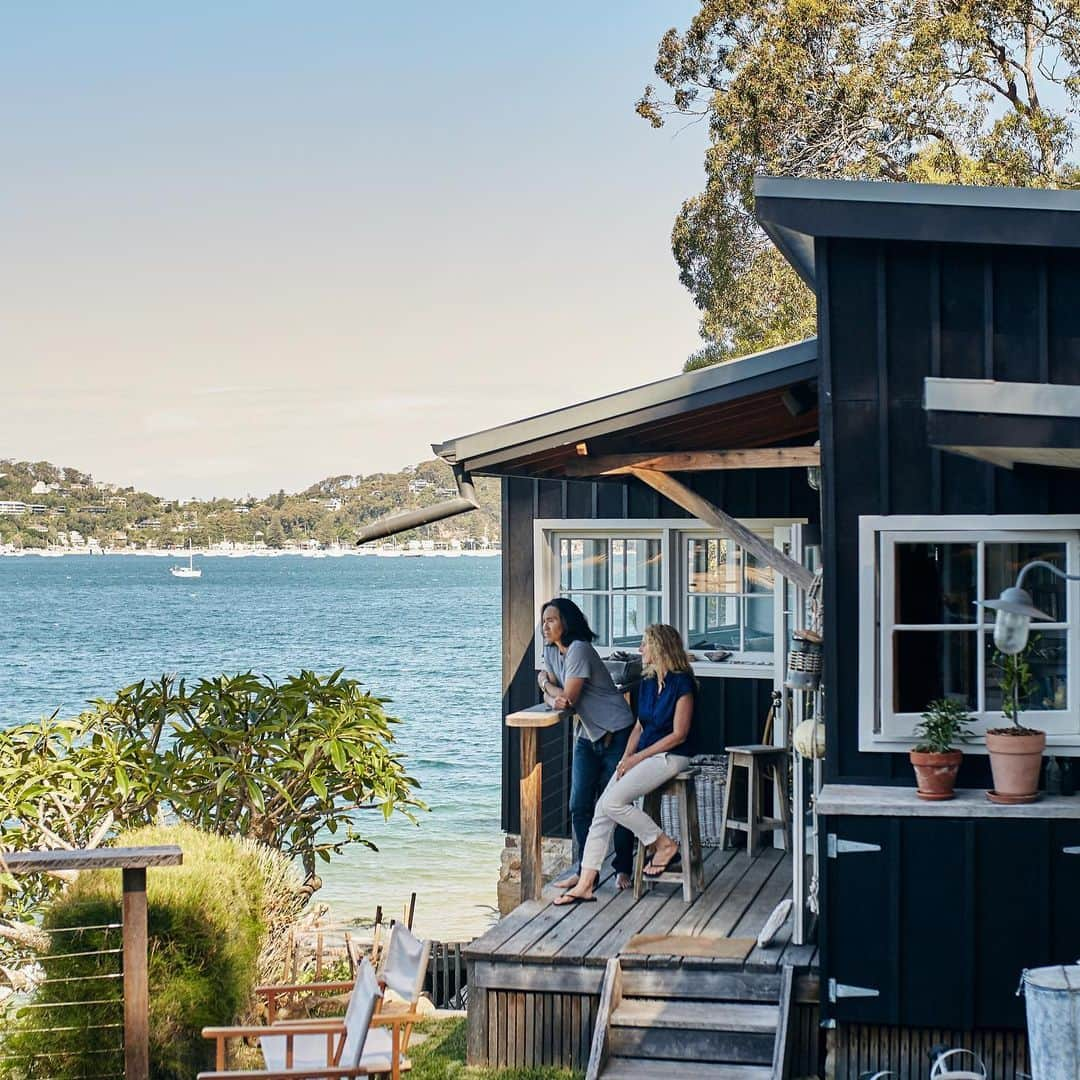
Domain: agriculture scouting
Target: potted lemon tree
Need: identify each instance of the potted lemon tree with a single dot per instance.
(935, 757)
(1015, 751)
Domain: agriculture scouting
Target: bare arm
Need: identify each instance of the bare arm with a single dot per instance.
(571, 692)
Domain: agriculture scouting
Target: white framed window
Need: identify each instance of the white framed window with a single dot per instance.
(922, 635)
(626, 574)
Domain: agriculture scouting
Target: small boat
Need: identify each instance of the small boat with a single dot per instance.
(186, 571)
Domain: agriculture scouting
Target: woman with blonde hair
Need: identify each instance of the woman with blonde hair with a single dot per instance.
(660, 746)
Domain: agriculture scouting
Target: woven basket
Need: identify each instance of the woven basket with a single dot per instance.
(709, 788)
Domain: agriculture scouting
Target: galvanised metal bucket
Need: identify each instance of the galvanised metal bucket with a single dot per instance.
(1052, 995)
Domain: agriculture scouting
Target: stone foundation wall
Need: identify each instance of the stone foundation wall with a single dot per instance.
(556, 856)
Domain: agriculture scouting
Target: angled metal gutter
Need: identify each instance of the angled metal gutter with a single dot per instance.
(413, 519)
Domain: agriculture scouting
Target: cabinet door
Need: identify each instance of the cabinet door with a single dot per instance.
(859, 949)
(1012, 915)
(1065, 892)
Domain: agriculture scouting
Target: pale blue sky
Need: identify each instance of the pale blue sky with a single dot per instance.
(248, 245)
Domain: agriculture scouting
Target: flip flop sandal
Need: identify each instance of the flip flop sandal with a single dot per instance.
(673, 864)
(567, 900)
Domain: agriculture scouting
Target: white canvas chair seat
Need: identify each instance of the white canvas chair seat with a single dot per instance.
(405, 963)
(311, 1051)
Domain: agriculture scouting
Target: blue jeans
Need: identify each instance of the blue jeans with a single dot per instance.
(594, 765)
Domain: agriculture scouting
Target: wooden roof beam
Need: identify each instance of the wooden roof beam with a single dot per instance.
(786, 457)
(726, 525)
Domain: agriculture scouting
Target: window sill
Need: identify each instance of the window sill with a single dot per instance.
(868, 800)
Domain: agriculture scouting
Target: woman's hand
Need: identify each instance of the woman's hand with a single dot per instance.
(625, 765)
(562, 702)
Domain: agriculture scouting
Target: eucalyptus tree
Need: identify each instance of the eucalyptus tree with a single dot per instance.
(944, 91)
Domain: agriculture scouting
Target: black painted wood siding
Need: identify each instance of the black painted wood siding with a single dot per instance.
(891, 314)
(731, 710)
(945, 917)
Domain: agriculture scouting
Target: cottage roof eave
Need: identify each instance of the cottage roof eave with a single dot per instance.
(796, 212)
(486, 450)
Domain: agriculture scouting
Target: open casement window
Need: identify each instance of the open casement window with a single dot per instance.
(627, 574)
(923, 637)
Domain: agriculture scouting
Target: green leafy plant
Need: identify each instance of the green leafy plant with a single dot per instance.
(944, 723)
(1016, 681)
(291, 764)
(209, 920)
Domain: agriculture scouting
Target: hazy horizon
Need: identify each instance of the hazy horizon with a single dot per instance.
(248, 248)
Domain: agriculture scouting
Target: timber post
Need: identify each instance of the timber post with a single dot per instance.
(529, 721)
(133, 862)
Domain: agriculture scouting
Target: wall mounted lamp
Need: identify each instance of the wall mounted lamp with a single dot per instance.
(1015, 610)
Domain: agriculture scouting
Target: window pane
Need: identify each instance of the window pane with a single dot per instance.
(759, 576)
(931, 664)
(595, 607)
(935, 583)
(759, 624)
(1004, 562)
(635, 564)
(583, 563)
(712, 566)
(630, 616)
(1046, 655)
(713, 623)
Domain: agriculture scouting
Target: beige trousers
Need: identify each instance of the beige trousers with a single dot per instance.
(616, 806)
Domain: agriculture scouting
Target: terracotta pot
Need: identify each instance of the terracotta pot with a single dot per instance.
(1015, 761)
(935, 774)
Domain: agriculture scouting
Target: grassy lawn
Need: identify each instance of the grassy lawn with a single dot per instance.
(441, 1056)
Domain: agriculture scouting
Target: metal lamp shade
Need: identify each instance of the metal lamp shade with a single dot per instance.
(1013, 620)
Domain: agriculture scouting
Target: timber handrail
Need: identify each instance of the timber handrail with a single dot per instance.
(784, 1045)
(610, 1000)
(133, 863)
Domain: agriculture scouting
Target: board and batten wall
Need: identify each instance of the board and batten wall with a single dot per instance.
(730, 711)
(891, 314)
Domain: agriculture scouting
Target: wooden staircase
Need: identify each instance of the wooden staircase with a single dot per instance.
(686, 1023)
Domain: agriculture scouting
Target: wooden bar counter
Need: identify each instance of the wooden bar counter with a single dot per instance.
(530, 721)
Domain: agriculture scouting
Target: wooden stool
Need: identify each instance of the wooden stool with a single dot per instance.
(753, 759)
(692, 874)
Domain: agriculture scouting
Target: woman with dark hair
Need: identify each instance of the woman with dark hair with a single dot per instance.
(574, 677)
(659, 747)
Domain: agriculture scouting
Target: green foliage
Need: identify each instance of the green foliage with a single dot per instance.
(944, 723)
(943, 91)
(207, 921)
(288, 764)
(1016, 680)
(441, 1056)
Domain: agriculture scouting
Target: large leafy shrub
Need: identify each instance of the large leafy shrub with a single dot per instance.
(285, 763)
(209, 921)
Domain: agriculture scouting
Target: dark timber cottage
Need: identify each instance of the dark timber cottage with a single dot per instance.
(944, 387)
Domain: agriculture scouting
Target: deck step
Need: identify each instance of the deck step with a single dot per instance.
(717, 1047)
(619, 1068)
(695, 1015)
(700, 984)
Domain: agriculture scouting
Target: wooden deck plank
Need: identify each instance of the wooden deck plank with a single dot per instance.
(550, 916)
(655, 917)
(673, 915)
(716, 895)
(727, 916)
(776, 889)
(487, 944)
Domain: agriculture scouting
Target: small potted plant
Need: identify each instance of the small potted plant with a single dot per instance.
(1015, 751)
(934, 757)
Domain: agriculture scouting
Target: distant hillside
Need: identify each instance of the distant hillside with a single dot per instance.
(42, 504)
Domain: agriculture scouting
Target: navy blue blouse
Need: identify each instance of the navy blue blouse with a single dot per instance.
(656, 710)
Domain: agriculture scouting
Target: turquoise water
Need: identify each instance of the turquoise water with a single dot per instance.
(424, 632)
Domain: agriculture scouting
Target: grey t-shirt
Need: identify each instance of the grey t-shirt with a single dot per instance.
(601, 707)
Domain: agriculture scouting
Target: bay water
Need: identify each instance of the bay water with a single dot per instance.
(424, 632)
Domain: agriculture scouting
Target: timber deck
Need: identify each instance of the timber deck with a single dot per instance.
(535, 978)
(739, 895)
